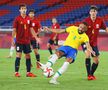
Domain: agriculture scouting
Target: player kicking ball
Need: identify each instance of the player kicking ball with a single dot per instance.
(75, 38)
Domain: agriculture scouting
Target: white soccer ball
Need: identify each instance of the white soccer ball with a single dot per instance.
(48, 72)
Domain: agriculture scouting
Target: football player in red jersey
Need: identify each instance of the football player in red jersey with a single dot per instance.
(22, 28)
(95, 23)
(37, 27)
(54, 36)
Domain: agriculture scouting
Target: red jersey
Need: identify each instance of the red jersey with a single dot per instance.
(93, 29)
(54, 36)
(22, 26)
(36, 25)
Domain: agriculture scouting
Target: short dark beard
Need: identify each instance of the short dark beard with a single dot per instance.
(80, 32)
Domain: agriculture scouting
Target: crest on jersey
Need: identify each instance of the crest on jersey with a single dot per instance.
(97, 25)
(33, 24)
(28, 21)
(55, 27)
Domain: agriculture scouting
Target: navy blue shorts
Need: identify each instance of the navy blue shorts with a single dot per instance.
(23, 47)
(34, 44)
(53, 42)
(95, 49)
(69, 52)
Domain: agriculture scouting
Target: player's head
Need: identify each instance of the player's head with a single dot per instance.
(82, 28)
(31, 13)
(54, 20)
(23, 8)
(93, 11)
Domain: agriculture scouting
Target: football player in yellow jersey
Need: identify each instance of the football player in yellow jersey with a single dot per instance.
(75, 38)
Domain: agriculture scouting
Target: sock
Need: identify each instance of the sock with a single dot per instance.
(28, 65)
(88, 66)
(38, 57)
(17, 64)
(12, 50)
(61, 70)
(94, 67)
(50, 50)
(52, 60)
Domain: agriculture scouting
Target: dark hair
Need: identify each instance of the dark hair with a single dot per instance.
(85, 23)
(22, 5)
(94, 7)
(32, 10)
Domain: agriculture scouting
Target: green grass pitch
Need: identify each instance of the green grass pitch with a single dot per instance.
(74, 79)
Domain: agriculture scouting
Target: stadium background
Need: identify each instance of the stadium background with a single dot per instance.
(67, 12)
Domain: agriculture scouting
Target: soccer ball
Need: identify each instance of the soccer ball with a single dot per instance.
(48, 72)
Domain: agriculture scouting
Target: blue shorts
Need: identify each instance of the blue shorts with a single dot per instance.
(69, 52)
(15, 40)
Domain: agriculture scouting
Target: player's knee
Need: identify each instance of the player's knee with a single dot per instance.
(27, 56)
(70, 60)
(48, 45)
(35, 51)
(18, 54)
(87, 54)
(96, 60)
(59, 54)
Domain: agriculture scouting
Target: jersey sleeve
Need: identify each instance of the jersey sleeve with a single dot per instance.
(68, 29)
(15, 23)
(86, 39)
(103, 25)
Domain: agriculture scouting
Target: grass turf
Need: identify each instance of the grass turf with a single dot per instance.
(74, 79)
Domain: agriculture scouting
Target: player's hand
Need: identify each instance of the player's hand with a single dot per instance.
(46, 29)
(107, 30)
(94, 54)
(38, 40)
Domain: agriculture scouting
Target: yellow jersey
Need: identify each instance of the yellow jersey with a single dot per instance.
(75, 39)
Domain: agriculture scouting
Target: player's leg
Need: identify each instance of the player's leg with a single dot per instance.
(37, 55)
(59, 53)
(27, 50)
(50, 42)
(95, 61)
(18, 58)
(70, 57)
(56, 44)
(11, 51)
(61, 70)
(87, 61)
(35, 48)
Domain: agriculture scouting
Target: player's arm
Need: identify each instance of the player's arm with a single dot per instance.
(54, 30)
(106, 29)
(89, 48)
(13, 35)
(35, 35)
